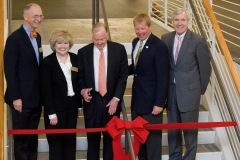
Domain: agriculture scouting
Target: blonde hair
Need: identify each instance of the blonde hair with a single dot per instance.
(60, 35)
(142, 17)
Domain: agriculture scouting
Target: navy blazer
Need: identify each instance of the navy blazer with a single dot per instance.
(117, 73)
(21, 69)
(151, 75)
(55, 90)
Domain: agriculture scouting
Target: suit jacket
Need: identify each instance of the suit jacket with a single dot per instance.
(191, 71)
(117, 73)
(151, 75)
(21, 69)
(55, 90)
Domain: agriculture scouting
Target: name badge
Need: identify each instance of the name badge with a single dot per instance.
(75, 69)
(40, 49)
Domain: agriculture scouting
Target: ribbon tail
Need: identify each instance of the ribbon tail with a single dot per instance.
(118, 152)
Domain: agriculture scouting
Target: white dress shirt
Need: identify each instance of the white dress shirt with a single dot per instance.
(66, 68)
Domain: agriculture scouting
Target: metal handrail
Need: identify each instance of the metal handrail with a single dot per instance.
(219, 79)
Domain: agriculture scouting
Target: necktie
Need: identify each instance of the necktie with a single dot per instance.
(138, 52)
(178, 48)
(33, 34)
(102, 86)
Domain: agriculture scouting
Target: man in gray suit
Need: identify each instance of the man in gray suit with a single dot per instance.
(189, 77)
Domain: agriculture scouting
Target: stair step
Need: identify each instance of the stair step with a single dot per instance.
(204, 152)
(203, 117)
(205, 136)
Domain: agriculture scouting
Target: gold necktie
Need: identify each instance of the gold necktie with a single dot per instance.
(138, 52)
(102, 82)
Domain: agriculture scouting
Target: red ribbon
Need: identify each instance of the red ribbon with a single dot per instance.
(139, 126)
(116, 127)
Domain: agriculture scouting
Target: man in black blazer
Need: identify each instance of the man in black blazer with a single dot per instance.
(189, 76)
(99, 107)
(150, 69)
(22, 58)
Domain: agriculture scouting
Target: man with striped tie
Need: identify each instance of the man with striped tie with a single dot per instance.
(150, 69)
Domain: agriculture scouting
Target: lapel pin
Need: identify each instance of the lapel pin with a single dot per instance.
(146, 46)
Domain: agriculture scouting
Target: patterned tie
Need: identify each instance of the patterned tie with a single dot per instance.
(138, 52)
(102, 86)
(178, 48)
(33, 34)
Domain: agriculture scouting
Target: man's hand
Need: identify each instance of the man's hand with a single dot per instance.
(54, 121)
(86, 94)
(17, 104)
(157, 110)
(112, 106)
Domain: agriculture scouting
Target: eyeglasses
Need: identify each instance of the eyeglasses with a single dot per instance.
(38, 16)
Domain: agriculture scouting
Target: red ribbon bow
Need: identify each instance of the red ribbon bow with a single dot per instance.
(115, 128)
(33, 34)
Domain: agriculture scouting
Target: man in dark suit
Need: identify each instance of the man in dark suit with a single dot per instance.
(103, 71)
(150, 69)
(189, 77)
(22, 58)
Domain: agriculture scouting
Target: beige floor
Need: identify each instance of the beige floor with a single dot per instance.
(121, 29)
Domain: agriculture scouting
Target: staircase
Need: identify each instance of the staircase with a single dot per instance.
(207, 150)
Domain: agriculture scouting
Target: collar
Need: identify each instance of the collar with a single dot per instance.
(59, 60)
(27, 30)
(182, 35)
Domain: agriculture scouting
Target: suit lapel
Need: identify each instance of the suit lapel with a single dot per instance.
(74, 64)
(171, 49)
(133, 47)
(90, 59)
(110, 58)
(57, 67)
(184, 46)
(28, 43)
(39, 48)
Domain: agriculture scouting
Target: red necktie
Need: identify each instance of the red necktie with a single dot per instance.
(33, 34)
(178, 48)
(102, 82)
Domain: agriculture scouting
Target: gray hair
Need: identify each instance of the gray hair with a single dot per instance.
(179, 11)
(28, 6)
(97, 26)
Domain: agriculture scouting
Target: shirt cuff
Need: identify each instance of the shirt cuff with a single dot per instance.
(52, 116)
(117, 99)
